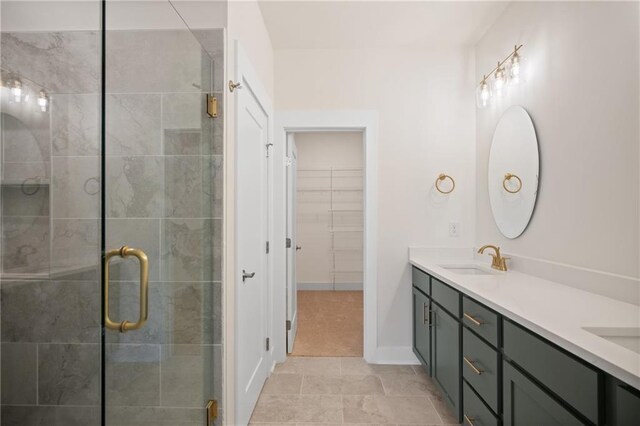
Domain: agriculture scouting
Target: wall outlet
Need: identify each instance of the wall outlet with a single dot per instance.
(454, 229)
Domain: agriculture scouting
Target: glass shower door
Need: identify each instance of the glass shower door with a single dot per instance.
(50, 221)
(161, 212)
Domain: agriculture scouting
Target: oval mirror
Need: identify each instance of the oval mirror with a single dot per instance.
(514, 168)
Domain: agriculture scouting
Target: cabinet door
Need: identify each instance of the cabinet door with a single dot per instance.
(627, 406)
(446, 356)
(422, 328)
(525, 404)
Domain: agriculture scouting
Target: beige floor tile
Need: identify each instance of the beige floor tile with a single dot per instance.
(443, 409)
(408, 385)
(322, 385)
(271, 424)
(355, 366)
(342, 385)
(309, 365)
(319, 409)
(361, 385)
(275, 409)
(419, 369)
(282, 384)
(391, 369)
(298, 408)
(389, 409)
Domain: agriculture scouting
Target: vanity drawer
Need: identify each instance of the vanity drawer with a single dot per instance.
(481, 320)
(446, 297)
(475, 412)
(572, 380)
(480, 364)
(421, 281)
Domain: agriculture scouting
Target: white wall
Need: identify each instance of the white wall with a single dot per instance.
(319, 152)
(582, 93)
(426, 107)
(246, 25)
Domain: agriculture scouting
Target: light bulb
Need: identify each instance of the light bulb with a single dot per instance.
(43, 101)
(483, 93)
(16, 91)
(499, 80)
(515, 68)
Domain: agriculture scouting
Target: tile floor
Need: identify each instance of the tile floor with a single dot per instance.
(330, 391)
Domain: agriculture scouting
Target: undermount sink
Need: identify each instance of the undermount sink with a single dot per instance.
(627, 337)
(466, 270)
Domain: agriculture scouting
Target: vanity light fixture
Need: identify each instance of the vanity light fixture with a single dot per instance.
(514, 67)
(501, 77)
(483, 93)
(43, 101)
(16, 91)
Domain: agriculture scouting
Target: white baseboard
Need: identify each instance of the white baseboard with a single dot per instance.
(402, 355)
(330, 286)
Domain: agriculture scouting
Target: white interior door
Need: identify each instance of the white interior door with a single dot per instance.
(292, 286)
(252, 282)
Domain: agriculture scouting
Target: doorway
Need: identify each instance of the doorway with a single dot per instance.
(325, 219)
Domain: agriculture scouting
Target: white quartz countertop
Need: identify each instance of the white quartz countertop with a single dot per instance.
(555, 311)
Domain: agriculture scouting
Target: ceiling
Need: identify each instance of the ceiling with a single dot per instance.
(324, 24)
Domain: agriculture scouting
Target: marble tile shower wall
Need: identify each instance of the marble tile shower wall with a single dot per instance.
(164, 195)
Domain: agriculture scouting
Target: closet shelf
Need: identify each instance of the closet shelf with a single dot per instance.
(346, 230)
(345, 210)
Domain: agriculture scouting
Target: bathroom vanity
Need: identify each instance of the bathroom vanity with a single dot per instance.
(513, 349)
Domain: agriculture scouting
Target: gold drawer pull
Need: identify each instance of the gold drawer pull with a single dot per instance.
(472, 365)
(472, 319)
(125, 325)
(469, 420)
(426, 315)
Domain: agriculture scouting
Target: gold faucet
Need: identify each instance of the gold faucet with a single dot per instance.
(498, 262)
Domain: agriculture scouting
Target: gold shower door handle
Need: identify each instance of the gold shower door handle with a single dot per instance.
(125, 325)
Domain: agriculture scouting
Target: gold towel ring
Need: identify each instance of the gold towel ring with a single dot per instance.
(442, 177)
(508, 177)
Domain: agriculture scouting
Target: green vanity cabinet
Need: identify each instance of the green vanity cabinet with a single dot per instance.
(422, 328)
(525, 404)
(494, 371)
(623, 404)
(446, 355)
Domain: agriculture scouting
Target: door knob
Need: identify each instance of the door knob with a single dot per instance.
(298, 248)
(246, 275)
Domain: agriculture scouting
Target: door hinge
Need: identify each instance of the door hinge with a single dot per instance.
(269, 145)
(288, 325)
(212, 412)
(288, 161)
(267, 344)
(212, 106)
(288, 243)
(267, 247)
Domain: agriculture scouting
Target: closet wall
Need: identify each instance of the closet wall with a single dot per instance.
(330, 216)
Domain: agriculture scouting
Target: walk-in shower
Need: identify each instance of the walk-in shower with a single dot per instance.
(106, 142)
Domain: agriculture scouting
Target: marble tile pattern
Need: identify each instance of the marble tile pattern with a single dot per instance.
(164, 187)
(63, 62)
(336, 391)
